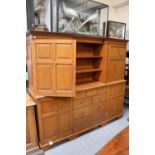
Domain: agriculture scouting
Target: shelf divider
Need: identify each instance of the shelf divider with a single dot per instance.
(87, 57)
(88, 70)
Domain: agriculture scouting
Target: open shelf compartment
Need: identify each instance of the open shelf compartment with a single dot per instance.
(88, 63)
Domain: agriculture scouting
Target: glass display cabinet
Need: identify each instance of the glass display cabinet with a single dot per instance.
(83, 17)
(38, 15)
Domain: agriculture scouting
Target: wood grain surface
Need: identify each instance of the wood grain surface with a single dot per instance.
(119, 145)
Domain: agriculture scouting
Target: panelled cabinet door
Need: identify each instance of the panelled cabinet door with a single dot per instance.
(31, 130)
(65, 124)
(65, 115)
(115, 106)
(116, 62)
(55, 67)
(64, 68)
(116, 98)
(47, 113)
(54, 119)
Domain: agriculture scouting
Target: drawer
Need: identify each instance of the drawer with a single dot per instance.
(99, 98)
(92, 92)
(82, 112)
(102, 90)
(80, 95)
(81, 103)
(81, 124)
(99, 106)
(99, 117)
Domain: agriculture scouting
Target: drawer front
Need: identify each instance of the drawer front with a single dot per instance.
(99, 106)
(92, 92)
(102, 90)
(80, 95)
(81, 124)
(100, 98)
(81, 103)
(82, 112)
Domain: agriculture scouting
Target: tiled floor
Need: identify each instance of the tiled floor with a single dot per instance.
(91, 142)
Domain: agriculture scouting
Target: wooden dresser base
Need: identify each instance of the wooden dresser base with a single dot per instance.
(60, 119)
(72, 136)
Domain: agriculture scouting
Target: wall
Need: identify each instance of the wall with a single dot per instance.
(120, 14)
(111, 9)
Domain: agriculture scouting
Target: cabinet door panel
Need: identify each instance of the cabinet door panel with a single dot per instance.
(64, 51)
(116, 62)
(116, 98)
(116, 90)
(64, 84)
(48, 106)
(28, 137)
(31, 130)
(65, 127)
(115, 106)
(112, 71)
(83, 123)
(44, 77)
(64, 104)
(50, 128)
(44, 52)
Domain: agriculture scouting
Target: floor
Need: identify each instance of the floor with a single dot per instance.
(91, 142)
(118, 145)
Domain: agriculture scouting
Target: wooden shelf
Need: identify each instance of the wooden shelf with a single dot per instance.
(87, 86)
(85, 57)
(88, 70)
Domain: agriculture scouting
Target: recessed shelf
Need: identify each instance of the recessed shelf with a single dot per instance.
(93, 56)
(88, 70)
